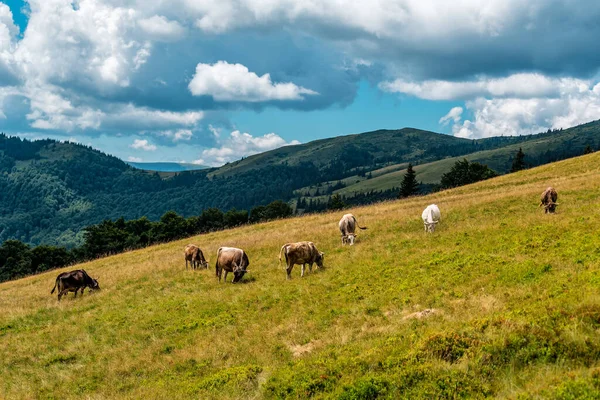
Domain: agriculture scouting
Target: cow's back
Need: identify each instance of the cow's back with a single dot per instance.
(431, 213)
(347, 224)
(301, 252)
(190, 251)
(226, 256)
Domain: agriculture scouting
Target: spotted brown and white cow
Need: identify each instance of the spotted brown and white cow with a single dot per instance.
(301, 253)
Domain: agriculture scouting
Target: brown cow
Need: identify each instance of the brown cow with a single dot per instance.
(231, 259)
(73, 281)
(301, 253)
(549, 197)
(194, 255)
(348, 226)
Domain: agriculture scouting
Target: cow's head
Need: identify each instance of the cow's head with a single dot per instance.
(320, 259)
(430, 226)
(238, 275)
(95, 285)
(551, 207)
(238, 272)
(205, 264)
(350, 238)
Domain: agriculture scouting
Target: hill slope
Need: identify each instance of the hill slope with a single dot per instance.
(515, 293)
(49, 190)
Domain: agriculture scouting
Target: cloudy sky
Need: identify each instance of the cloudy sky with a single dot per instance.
(210, 81)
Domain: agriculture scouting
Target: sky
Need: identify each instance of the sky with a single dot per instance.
(211, 81)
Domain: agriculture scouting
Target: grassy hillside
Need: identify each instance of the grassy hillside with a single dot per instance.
(515, 294)
(50, 191)
(539, 149)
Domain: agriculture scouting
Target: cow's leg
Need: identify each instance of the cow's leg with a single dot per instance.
(62, 293)
(302, 271)
(225, 278)
(82, 289)
(288, 270)
(310, 267)
(76, 289)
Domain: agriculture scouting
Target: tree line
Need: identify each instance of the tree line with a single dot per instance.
(18, 259)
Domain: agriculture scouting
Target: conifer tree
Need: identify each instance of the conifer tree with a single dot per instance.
(519, 161)
(409, 185)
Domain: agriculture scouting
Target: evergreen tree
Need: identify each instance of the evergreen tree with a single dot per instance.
(465, 172)
(518, 163)
(588, 150)
(409, 185)
(336, 202)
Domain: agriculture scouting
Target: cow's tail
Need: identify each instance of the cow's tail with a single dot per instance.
(281, 251)
(217, 262)
(356, 222)
(55, 285)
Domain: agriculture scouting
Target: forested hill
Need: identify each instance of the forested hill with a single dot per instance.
(50, 190)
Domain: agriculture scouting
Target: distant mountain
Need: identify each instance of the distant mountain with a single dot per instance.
(166, 166)
(50, 190)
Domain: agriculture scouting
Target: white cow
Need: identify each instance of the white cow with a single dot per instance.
(348, 226)
(431, 216)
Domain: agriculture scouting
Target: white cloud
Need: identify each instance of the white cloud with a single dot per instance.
(525, 85)
(216, 132)
(241, 145)
(575, 104)
(453, 115)
(8, 29)
(142, 144)
(234, 82)
(177, 135)
(134, 117)
(134, 159)
(92, 44)
(161, 28)
(381, 18)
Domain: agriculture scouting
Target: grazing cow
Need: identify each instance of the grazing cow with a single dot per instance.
(431, 216)
(549, 197)
(231, 259)
(348, 226)
(73, 281)
(194, 255)
(301, 253)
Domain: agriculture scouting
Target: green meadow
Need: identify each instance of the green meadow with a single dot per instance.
(501, 301)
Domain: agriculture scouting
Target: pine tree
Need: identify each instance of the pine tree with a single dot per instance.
(336, 202)
(409, 185)
(519, 161)
(588, 150)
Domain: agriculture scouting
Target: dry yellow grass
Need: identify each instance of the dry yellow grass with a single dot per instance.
(515, 293)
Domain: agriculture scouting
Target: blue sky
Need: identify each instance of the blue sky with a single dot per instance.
(210, 81)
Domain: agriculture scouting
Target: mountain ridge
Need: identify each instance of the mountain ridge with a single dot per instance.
(50, 190)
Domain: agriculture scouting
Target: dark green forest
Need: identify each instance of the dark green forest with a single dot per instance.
(50, 191)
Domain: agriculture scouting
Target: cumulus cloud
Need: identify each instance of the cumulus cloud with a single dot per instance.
(241, 145)
(524, 85)
(142, 144)
(575, 104)
(134, 159)
(453, 115)
(234, 82)
(137, 65)
(177, 135)
(160, 28)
